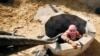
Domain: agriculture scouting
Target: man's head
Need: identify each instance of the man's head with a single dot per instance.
(72, 28)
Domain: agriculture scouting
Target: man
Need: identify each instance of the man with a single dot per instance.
(71, 35)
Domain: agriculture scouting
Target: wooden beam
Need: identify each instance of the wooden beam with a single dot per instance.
(17, 40)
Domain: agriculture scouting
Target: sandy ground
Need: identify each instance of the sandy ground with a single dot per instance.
(22, 12)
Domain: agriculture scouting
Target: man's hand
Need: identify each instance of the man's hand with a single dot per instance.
(74, 44)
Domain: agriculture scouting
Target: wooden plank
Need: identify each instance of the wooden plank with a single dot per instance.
(16, 40)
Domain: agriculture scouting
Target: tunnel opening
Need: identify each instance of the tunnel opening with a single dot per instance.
(60, 23)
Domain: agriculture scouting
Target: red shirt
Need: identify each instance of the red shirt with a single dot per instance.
(76, 35)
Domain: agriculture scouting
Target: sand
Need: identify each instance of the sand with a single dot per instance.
(22, 12)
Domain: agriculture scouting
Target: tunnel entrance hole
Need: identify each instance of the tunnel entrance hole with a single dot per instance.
(60, 23)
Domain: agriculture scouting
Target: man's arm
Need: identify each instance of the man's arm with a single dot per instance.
(78, 35)
(65, 38)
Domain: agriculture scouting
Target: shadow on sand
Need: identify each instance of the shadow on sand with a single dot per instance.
(6, 51)
(10, 3)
